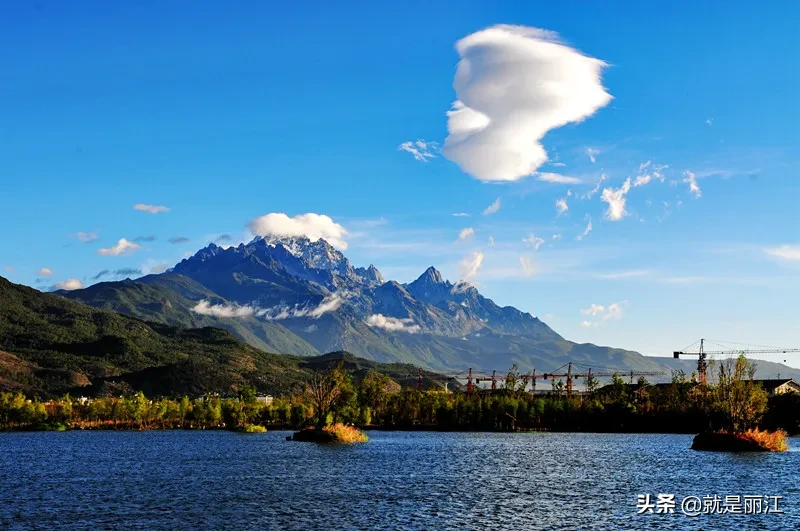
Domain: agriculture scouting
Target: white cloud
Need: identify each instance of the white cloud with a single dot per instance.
(204, 307)
(471, 264)
(421, 149)
(601, 314)
(491, 241)
(785, 252)
(596, 188)
(633, 273)
(556, 236)
(123, 247)
(691, 179)
(330, 303)
(561, 206)
(645, 177)
(494, 207)
(592, 153)
(586, 231)
(86, 237)
(616, 201)
(392, 324)
(150, 209)
(528, 269)
(557, 178)
(533, 241)
(44, 272)
(312, 226)
(466, 233)
(514, 84)
(70, 284)
(710, 121)
(461, 214)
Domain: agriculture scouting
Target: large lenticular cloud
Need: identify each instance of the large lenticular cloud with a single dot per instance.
(514, 84)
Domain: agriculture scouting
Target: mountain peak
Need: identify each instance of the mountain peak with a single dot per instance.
(431, 276)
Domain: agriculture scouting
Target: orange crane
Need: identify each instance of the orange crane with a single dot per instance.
(702, 353)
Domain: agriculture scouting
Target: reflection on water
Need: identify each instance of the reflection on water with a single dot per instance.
(218, 480)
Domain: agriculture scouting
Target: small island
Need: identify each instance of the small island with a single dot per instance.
(325, 389)
(738, 404)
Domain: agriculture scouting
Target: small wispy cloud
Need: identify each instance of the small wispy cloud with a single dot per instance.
(470, 265)
(150, 209)
(144, 239)
(44, 272)
(710, 121)
(421, 150)
(123, 247)
(392, 324)
(599, 314)
(533, 241)
(461, 215)
(330, 303)
(205, 307)
(550, 177)
(466, 233)
(493, 208)
(526, 263)
(561, 206)
(592, 154)
(615, 198)
(127, 272)
(85, 237)
(179, 239)
(101, 274)
(586, 231)
(597, 186)
(70, 284)
(790, 253)
(691, 179)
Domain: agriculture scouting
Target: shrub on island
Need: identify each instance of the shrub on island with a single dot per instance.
(754, 440)
(251, 428)
(337, 433)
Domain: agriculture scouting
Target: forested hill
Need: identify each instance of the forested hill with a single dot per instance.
(50, 345)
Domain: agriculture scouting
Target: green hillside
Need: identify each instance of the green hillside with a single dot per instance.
(169, 299)
(50, 345)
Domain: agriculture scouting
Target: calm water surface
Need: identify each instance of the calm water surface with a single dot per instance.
(215, 480)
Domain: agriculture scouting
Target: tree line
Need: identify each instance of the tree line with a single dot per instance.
(734, 402)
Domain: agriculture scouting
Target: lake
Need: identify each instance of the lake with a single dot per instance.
(407, 480)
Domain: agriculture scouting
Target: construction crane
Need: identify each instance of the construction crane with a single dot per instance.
(702, 353)
(475, 378)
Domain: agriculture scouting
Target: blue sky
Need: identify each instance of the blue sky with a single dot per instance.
(224, 115)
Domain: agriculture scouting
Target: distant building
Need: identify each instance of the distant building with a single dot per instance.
(779, 386)
(265, 399)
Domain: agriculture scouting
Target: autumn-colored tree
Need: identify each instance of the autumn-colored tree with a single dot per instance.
(324, 389)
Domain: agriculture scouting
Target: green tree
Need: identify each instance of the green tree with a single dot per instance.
(740, 401)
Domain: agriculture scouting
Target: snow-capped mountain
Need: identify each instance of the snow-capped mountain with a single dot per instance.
(296, 294)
